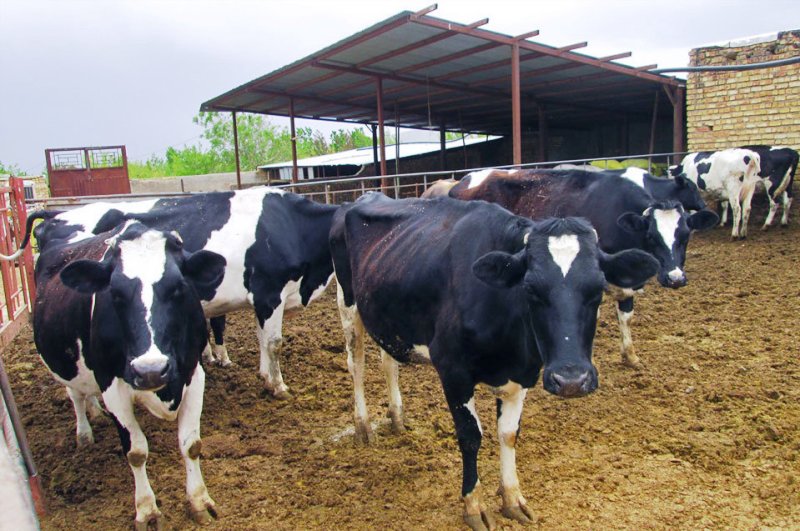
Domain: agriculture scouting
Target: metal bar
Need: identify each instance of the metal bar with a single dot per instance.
(528, 35)
(570, 47)
(381, 132)
(396, 143)
(516, 118)
(678, 123)
(442, 143)
(375, 148)
(652, 144)
(22, 441)
(426, 10)
(293, 136)
(236, 152)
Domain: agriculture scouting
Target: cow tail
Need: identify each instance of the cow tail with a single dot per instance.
(39, 214)
(785, 182)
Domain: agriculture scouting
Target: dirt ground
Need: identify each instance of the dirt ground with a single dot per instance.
(707, 435)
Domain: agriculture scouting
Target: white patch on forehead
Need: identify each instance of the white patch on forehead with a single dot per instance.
(635, 175)
(563, 249)
(667, 223)
(477, 178)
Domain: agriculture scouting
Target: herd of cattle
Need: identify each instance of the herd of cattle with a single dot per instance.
(495, 282)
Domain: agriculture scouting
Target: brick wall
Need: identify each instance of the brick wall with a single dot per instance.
(729, 109)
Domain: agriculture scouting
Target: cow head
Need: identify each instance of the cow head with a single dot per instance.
(152, 285)
(563, 274)
(687, 194)
(664, 229)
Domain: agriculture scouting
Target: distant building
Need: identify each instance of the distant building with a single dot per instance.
(414, 156)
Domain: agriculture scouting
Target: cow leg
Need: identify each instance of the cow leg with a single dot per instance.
(391, 370)
(218, 330)
(459, 390)
(747, 198)
(270, 341)
(773, 205)
(786, 199)
(202, 508)
(624, 317)
(723, 218)
(354, 345)
(119, 402)
(736, 208)
(83, 430)
(511, 398)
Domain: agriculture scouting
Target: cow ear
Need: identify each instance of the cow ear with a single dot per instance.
(681, 181)
(702, 220)
(204, 269)
(632, 222)
(86, 276)
(628, 269)
(499, 269)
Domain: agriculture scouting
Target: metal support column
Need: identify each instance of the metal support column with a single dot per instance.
(236, 153)
(541, 148)
(381, 132)
(678, 124)
(375, 148)
(294, 140)
(654, 121)
(442, 144)
(516, 117)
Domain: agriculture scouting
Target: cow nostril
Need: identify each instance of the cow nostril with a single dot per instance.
(164, 371)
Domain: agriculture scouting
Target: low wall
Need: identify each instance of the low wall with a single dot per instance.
(212, 182)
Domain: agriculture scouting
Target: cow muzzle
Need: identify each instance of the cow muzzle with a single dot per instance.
(571, 382)
(150, 373)
(674, 279)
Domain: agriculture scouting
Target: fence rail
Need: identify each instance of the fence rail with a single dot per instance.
(337, 190)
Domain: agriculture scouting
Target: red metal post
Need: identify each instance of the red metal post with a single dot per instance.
(516, 113)
(293, 134)
(236, 152)
(381, 132)
(20, 215)
(678, 124)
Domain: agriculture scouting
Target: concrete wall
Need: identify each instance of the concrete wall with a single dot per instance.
(728, 109)
(195, 183)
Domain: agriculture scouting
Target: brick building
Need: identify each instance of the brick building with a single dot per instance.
(762, 106)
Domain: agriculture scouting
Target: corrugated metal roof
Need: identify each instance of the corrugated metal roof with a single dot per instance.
(440, 73)
(363, 156)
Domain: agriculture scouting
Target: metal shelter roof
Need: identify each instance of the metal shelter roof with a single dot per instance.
(440, 74)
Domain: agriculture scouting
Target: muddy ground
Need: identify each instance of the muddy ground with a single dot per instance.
(707, 435)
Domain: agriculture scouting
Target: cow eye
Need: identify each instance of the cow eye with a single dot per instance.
(117, 296)
(176, 291)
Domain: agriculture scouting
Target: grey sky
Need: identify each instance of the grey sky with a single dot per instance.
(134, 72)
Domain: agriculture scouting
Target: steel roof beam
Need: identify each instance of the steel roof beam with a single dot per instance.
(546, 50)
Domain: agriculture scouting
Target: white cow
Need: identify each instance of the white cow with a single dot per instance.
(728, 175)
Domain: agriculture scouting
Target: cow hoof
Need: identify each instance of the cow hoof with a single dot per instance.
(225, 363)
(480, 522)
(85, 439)
(206, 515)
(363, 435)
(398, 422)
(282, 394)
(520, 513)
(633, 363)
(784, 225)
(765, 228)
(153, 522)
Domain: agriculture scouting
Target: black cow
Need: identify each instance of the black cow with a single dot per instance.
(623, 213)
(119, 315)
(491, 297)
(778, 167)
(275, 244)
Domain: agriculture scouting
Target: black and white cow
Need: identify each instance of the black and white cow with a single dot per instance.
(119, 316)
(490, 297)
(675, 188)
(624, 214)
(778, 167)
(729, 175)
(275, 245)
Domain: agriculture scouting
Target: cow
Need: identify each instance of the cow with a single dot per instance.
(624, 214)
(728, 175)
(439, 188)
(274, 242)
(778, 167)
(489, 297)
(118, 315)
(673, 188)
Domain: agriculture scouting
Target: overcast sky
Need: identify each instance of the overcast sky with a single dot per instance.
(134, 72)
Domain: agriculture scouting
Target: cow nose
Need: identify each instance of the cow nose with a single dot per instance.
(674, 279)
(568, 384)
(152, 374)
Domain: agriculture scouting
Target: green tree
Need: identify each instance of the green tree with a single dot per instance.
(11, 169)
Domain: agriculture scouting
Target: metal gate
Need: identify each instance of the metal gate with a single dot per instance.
(87, 171)
(18, 289)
